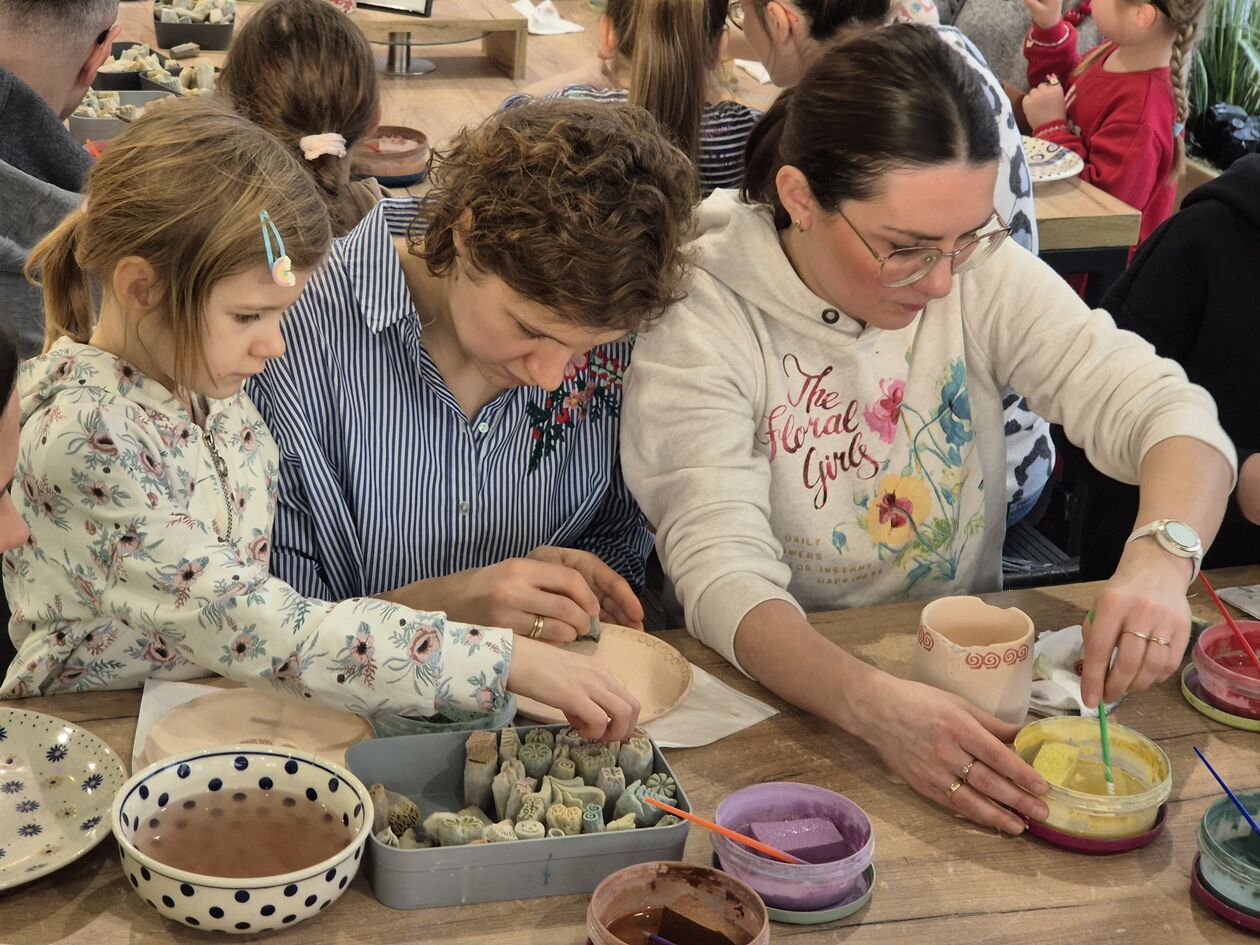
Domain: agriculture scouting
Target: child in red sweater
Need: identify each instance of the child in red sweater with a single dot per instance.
(1123, 107)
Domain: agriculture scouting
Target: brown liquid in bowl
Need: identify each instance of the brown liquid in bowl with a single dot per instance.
(242, 834)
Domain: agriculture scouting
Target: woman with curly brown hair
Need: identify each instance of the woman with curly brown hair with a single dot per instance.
(448, 411)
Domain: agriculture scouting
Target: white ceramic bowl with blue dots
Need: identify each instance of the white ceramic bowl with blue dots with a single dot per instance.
(243, 905)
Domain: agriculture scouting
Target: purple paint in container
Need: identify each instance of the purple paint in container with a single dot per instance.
(797, 887)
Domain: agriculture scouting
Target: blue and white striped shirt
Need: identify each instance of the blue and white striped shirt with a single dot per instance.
(384, 479)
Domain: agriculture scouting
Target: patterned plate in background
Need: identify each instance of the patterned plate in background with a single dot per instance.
(1050, 161)
(57, 782)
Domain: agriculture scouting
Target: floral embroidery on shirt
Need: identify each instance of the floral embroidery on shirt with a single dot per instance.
(591, 388)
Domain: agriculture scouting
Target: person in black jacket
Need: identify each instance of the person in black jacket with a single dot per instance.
(1193, 291)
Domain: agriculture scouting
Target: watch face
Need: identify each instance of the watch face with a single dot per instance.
(1181, 534)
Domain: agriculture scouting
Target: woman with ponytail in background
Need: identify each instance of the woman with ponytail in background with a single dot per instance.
(304, 72)
(664, 55)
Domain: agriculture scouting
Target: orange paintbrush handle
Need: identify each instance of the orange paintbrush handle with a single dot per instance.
(729, 834)
(1230, 620)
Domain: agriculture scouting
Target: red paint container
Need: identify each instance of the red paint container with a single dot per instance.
(1229, 679)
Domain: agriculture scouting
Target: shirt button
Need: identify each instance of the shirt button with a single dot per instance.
(483, 428)
(463, 508)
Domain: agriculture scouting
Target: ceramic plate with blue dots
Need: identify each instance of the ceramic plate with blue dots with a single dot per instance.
(57, 782)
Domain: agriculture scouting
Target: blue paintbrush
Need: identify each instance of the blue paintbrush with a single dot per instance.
(1232, 796)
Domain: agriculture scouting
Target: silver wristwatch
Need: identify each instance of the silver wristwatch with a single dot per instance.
(1177, 538)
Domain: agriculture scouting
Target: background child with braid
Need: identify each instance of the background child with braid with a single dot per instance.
(1122, 108)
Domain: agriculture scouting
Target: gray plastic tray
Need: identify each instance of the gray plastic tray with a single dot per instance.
(430, 770)
(106, 129)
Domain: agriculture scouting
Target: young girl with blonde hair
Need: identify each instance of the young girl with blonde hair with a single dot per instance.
(302, 70)
(1123, 107)
(149, 479)
(664, 56)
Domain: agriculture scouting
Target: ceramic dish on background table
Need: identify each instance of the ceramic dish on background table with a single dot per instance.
(656, 673)
(57, 782)
(1048, 161)
(394, 155)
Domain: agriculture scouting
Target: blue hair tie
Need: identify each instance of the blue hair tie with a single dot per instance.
(1179, 128)
(281, 266)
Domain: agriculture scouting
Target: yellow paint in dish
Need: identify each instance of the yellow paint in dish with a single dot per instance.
(1081, 805)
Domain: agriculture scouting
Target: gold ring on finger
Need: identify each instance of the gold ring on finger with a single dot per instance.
(1141, 636)
(1159, 641)
(537, 630)
(966, 770)
(949, 791)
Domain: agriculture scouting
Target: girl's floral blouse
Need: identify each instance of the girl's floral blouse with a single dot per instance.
(125, 576)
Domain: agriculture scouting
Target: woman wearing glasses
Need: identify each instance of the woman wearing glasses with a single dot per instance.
(819, 424)
(787, 36)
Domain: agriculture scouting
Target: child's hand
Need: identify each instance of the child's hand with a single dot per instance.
(1045, 104)
(1045, 13)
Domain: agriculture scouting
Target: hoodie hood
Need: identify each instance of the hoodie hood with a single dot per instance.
(739, 247)
(1237, 188)
(83, 372)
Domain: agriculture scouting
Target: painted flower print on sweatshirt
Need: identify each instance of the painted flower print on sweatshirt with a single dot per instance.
(900, 461)
(914, 517)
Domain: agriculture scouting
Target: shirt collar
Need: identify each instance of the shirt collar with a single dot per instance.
(372, 265)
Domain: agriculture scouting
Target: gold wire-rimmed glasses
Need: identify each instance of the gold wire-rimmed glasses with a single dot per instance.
(904, 266)
(735, 14)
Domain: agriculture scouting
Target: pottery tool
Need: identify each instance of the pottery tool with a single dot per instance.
(1242, 639)
(1106, 748)
(1225, 787)
(728, 834)
(594, 633)
(657, 940)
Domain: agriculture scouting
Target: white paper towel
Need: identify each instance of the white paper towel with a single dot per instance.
(712, 710)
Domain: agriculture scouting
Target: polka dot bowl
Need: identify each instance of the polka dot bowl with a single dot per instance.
(242, 905)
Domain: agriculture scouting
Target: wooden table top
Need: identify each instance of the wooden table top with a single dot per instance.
(940, 879)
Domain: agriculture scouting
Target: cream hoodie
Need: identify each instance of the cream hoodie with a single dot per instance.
(784, 451)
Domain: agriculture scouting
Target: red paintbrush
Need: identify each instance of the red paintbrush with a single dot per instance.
(1230, 620)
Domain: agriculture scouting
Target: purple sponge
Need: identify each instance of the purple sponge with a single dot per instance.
(812, 839)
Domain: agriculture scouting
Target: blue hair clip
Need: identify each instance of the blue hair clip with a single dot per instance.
(281, 266)
(1179, 128)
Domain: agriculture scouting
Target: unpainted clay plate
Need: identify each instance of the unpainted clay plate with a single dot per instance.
(654, 672)
(57, 782)
(1049, 161)
(252, 717)
(1195, 695)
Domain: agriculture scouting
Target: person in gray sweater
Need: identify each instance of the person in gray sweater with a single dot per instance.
(42, 168)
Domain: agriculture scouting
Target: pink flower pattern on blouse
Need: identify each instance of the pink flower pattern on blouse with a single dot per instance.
(124, 577)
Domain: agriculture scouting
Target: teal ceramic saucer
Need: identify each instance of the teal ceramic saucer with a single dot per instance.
(821, 916)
